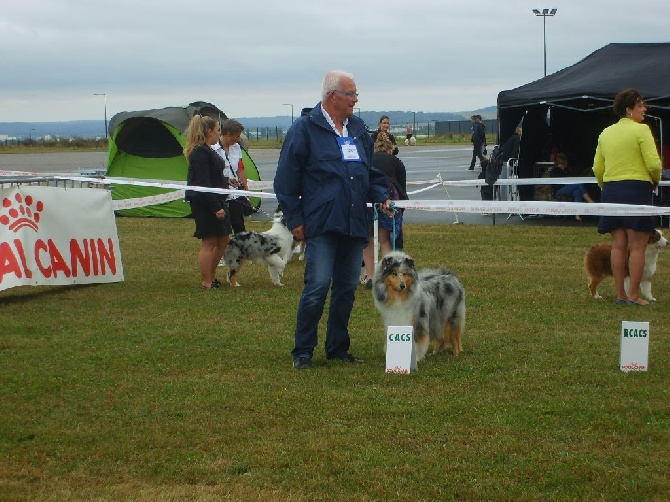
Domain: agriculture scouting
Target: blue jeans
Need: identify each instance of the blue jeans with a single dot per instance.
(577, 191)
(331, 259)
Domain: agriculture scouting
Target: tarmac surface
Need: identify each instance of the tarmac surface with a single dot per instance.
(423, 163)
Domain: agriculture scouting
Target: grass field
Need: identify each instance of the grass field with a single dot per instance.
(153, 390)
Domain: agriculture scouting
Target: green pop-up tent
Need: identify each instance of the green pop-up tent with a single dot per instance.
(148, 145)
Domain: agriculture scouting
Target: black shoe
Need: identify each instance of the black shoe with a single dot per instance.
(302, 362)
(347, 358)
(368, 284)
(216, 284)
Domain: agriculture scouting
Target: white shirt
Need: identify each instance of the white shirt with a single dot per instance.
(230, 161)
(344, 133)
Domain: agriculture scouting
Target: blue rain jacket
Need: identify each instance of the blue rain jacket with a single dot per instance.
(315, 187)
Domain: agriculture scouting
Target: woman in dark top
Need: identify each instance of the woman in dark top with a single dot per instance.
(384, 126)
(210, 210)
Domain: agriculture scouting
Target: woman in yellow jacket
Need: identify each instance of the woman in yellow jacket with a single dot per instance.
(628, 169)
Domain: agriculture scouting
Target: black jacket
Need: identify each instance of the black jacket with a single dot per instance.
(394, 170)
(511, 147)
(205, 169)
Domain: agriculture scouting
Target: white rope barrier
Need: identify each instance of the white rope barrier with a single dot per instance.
(454, 206)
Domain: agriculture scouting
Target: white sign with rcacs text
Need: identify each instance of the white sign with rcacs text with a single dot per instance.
(634, 346)
(400, 350)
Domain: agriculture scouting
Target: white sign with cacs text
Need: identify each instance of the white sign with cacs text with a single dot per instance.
(634, 346)
(400, 351)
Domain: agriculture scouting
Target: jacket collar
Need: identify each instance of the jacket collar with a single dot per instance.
(355, 126)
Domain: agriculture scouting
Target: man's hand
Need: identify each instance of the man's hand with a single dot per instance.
(386, 207)
(299, 233)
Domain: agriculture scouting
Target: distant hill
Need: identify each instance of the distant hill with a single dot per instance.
(71, 129)
(96, 128)
(490, 112)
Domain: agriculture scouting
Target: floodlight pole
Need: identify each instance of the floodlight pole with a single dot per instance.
(289, 104)
(105, 95)
(544, 14)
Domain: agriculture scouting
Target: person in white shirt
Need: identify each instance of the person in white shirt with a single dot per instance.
(230, 151)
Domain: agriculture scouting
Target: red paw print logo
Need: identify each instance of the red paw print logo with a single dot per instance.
(21, 212)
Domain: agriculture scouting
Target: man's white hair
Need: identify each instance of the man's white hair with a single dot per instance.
(331, 82)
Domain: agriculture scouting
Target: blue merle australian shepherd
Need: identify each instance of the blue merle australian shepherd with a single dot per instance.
(272, 248)
(432, 301)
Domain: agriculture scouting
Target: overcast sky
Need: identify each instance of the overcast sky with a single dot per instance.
(251, 57)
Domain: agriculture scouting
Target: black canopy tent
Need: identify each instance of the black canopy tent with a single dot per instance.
(570, 108)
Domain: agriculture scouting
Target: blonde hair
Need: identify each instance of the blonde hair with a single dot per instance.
(196, 132)
(383, 142)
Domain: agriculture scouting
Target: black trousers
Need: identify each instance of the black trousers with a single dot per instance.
(477, 154)
(236, 208)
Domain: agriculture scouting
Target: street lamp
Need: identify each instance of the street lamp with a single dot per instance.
(30, 134)
(544, 14)
(289, 104)
(103, 94)
(359, 111)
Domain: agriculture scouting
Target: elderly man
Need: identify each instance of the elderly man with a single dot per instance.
(324, 180)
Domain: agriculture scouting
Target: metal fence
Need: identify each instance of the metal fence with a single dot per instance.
(445, 127)
(433, 128)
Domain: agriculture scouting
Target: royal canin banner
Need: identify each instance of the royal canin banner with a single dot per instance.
(57, 236)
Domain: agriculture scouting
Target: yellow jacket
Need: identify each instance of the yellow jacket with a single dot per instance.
(626, 151)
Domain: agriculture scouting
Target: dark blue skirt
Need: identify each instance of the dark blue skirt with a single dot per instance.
(632, 192)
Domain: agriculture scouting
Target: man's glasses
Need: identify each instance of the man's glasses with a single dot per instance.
(349, 94)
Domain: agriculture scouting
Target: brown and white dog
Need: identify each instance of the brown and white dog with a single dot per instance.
(432, 301)
(598, 266)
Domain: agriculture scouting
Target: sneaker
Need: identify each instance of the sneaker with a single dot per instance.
(302, 362)
(347, 358)
(216, 284)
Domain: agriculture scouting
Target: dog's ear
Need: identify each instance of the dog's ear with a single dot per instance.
(388, 263)
(409, 262)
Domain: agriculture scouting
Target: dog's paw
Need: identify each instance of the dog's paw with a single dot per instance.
(597, 297)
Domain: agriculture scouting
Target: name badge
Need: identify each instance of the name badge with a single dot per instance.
(348, 148)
